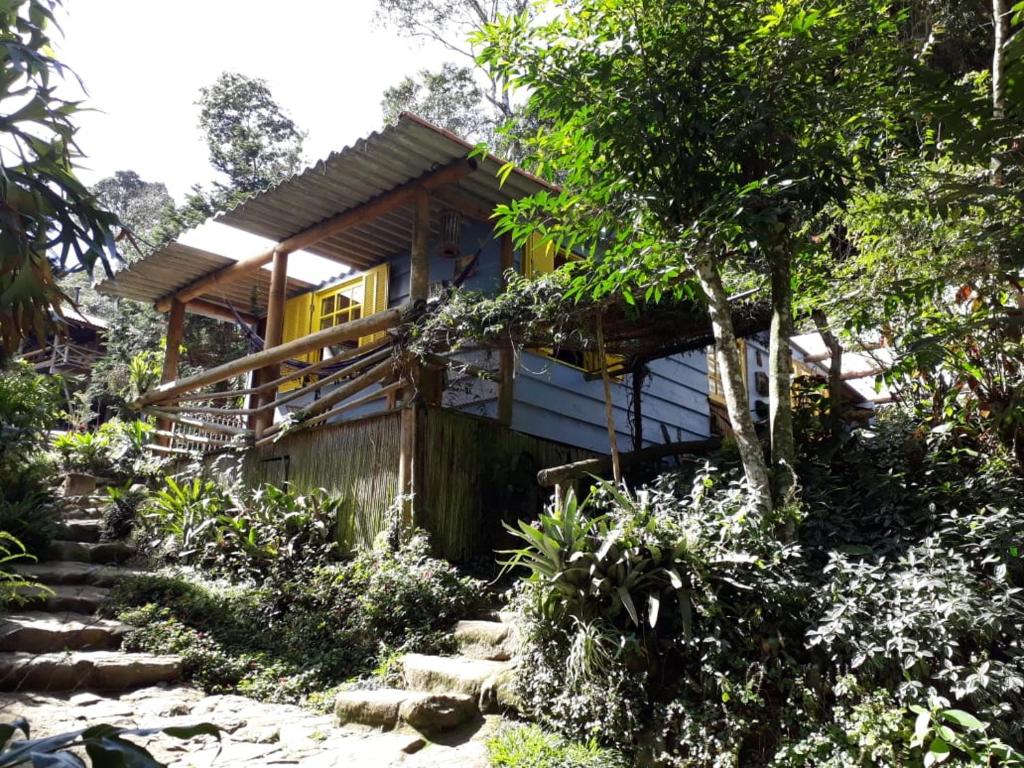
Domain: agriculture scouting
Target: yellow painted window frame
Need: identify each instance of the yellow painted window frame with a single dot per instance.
(539, 259)
(715, 376)
(302, 314)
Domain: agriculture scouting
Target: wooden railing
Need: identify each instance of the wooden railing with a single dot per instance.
(62, 355)
(194, 417)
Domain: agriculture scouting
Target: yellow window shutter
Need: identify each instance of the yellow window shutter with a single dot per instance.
(298, 319)
(375, 297)
(540, 257)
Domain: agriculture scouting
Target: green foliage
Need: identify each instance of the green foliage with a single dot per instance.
(12, 586)
(240, 533)
(49, 221)
(116, 449)
(105, 745)
(527, 746)
(121, 512)
(299, 629)
(251, 141)
(902, 589)
(449, 98)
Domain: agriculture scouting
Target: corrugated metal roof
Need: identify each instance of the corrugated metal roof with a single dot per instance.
(373, 165)
(383, 160)
(175, 265)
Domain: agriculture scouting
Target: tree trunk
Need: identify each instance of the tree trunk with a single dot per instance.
(754, 466)
(835, 372)
(780, 377)
(1001, 23)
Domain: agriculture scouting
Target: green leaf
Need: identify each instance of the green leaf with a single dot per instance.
(966, 719)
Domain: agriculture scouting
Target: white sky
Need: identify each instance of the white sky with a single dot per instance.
(327, 62)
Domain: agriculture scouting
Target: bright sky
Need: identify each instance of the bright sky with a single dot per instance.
(143, 62)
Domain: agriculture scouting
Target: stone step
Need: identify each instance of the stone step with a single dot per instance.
(503, 617)
(491, 640)
(56, 572)
(455, 674)
(82, 529)
(38, 632)
(389, 707)
(94, 670)
(107, 552)
(63, 598)
(79, 484)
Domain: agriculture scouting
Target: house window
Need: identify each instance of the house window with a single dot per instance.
(354, 298)
(541, 258)
(716, 391)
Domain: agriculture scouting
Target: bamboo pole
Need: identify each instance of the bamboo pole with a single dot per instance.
(349, 331)
(198, 424)
(562, 475)
(380, 394)
(348, 354)
(419, 272)
(273, 336)
(613, 441)
(371, 209)
(172, 356)
(345, 391)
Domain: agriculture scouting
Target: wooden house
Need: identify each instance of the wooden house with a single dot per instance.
(325, 400)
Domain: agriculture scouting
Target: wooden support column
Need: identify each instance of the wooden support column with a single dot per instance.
(613, 442)
(506, 355)
(419, 289)
(172, 356)
(419, 274)
(274, 334)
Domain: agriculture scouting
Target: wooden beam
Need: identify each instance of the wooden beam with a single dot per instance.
(464, 203)
(349, 331)
(172, 356)
(218, 312)
(419, 274)
(175, 332)
(376, 206)
(554, 476)
(274, 334)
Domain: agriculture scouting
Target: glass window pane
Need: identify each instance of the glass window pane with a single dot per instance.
(327, 306)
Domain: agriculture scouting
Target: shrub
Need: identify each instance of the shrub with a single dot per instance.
(527, 746)
(299, 629)
(670, 623)
(121, 512)
(242, 534)
(12, 586)
(116, 449)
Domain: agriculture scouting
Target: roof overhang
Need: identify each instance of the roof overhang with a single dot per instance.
(378, 164)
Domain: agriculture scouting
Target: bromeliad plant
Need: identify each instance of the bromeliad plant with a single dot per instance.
(105, 745)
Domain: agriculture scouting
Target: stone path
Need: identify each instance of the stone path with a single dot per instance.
(63, 668)
(55, 642)
(255, 734)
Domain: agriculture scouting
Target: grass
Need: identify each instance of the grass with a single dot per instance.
(530, 746)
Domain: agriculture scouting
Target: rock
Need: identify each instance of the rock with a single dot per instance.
(485, 639)
(73, 598)
(502, 617)
(72, 573)
(38, 632)
(84, 699)
(95, 670)
(107, 552)
(442, 674)
(378, 708)
(83, 530)
(498, 693)
(78, 484)
(433, 712)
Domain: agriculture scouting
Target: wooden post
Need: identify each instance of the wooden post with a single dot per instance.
(419, 273)
(506, 355)
(407, 465)
(613, 441)
(275, 331)
(638, 406)
(172, 356)
(419, 289)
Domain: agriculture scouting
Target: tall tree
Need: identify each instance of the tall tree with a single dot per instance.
(450, 98)
(49, 222)
(142, 206)
(251, 139)
(706, 137)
